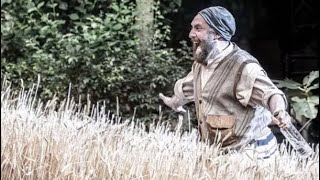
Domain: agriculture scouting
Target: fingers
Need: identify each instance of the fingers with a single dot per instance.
(275, 120)
(282, 125)
(163, 97)
(166, 100)
(170, 102)
(278, 122)
(181, 109)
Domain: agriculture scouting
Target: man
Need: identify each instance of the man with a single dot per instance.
(232, 93)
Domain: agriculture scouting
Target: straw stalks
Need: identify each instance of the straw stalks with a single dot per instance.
(42, 141)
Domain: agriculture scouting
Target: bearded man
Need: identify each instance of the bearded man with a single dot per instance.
(234, 98)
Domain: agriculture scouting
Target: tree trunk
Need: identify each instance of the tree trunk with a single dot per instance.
(144, 22)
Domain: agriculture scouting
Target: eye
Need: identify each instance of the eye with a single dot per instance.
(198, 28)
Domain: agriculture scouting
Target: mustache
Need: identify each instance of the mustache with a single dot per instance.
(195, 42)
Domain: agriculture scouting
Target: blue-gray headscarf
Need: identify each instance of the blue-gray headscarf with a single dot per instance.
(221, 20)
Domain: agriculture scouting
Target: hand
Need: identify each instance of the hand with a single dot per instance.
(281, 118)
(172, 102)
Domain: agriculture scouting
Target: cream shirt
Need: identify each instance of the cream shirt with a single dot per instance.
(262, 90)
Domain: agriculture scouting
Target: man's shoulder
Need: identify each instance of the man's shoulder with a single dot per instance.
(242, 56)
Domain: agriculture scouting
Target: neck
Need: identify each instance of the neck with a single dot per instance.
(220, 47)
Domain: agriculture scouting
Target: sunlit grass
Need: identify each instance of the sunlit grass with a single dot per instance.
(40, 141)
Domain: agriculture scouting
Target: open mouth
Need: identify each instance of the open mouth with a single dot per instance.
(196, 43)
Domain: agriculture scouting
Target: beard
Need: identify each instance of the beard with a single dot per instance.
(202, 50)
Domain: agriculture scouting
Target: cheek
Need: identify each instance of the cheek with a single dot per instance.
(202, 37)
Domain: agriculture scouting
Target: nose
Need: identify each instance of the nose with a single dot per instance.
(192, 34)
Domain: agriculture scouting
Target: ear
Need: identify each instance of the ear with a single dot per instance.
(215, 35)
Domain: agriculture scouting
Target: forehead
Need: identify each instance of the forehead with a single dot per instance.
(198, 20)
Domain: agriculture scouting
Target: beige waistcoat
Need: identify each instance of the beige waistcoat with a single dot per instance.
(217, 97)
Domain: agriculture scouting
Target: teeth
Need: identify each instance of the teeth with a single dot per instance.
(195, 42)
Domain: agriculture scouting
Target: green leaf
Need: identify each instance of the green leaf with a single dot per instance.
(94, 25)
(32, 9)
(74, 16)
(313, 99)
(117, 27)
(5, 1)
(40, 5)
(115, 7)
(310, 78)
(287, 83)
(125, 11)
(315, 86)
(306, 107)
(297, 99)
(63, 6)
(44, 30)
(112, 43)
(51, 5)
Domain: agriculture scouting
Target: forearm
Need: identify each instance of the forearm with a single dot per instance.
(183, 89)
(278, 106)
(277, 103)
(183, 93)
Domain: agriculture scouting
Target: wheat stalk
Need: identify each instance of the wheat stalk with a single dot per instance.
(41, 142)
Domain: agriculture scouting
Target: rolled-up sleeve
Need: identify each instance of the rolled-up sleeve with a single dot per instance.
(258, 89)
(245, 85)
(183, 88)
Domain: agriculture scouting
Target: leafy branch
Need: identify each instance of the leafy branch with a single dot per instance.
(301, 98)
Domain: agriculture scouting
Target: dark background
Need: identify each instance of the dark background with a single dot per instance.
(282, 35)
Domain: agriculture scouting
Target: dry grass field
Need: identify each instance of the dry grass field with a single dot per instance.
(39, 141)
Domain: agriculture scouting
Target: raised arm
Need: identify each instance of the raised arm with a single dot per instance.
(256, 88)
(183, 93)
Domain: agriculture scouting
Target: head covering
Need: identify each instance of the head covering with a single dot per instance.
(220, 20)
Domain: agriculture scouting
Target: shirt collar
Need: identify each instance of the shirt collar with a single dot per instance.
(222, 55)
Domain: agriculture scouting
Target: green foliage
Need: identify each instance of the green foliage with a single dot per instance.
(170, 6)
(303, 101)
(93, 46)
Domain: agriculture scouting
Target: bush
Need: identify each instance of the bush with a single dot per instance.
(94, 47)
(303, 102)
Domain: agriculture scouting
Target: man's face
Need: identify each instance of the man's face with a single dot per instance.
(202, 39)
